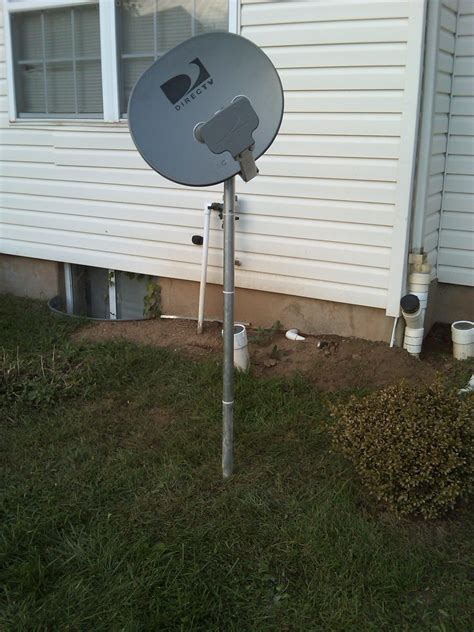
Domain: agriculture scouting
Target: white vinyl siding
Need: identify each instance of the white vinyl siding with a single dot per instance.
(351, 74)
(327, 217)
(456, 243)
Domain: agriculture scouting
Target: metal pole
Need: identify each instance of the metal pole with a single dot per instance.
(229, 292)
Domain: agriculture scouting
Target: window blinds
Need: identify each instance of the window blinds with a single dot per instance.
(58, 69)
(149, 28)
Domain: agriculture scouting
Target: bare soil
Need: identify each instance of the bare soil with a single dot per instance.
(338, 363)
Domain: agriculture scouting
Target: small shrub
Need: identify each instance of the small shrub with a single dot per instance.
(412, 447)
(263, 335)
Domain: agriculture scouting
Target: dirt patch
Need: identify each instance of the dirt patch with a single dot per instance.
(331, 362)
(438, 343)
(174, 334)
(343, 362)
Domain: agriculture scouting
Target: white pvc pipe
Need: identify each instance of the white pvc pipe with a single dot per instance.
(241, 350)
(206, 320)
(469, 388)
(413, 341)
(419, 284)
(414, 321)
(293, 334)
(394, 331)
(462, 333)
(205, 255)
(413, 338)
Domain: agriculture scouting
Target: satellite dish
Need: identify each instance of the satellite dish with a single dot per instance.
(185, 88)
(200, 115)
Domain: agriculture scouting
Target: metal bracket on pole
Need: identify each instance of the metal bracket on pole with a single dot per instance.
(248, 168)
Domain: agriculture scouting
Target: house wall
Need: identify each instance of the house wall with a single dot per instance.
(326, 219)
(456, 240)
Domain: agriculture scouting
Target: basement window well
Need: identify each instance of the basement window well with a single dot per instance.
(105, 294)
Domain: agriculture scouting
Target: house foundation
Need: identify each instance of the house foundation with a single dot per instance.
(38, 278)
(42, 279)
(263, 309)
(35, 278)
(451, 302)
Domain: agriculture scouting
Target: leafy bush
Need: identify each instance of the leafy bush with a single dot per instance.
(412, 447)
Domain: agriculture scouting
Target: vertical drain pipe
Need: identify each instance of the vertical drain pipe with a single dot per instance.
(420, 270)
(428, 113)
(419, 285)
(205, 255)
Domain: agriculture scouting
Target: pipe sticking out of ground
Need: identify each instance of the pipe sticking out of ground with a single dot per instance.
(293, 334)
(414, 316)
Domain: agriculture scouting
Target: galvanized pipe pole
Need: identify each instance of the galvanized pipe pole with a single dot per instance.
(229, 293)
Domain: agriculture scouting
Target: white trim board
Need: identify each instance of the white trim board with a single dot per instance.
(38, 5)
(234, 16)
(108, 53)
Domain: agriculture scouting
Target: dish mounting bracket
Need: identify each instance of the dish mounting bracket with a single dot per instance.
(231, 129)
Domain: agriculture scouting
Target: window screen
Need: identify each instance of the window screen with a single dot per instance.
(57, 62)
(149, 28)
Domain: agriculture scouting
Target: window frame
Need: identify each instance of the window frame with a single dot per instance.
(108, 52)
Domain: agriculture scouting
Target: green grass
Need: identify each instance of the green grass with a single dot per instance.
(115, 517)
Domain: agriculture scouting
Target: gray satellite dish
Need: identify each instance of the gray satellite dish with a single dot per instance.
(186, 87)
(200, 115)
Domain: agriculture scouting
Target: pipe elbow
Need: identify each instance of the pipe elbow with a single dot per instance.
(293, 334)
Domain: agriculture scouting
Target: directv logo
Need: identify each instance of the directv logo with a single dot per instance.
(183, 89)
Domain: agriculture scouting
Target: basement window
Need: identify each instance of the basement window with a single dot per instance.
(109, 294)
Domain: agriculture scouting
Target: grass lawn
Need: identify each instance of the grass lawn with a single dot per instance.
(114, 515)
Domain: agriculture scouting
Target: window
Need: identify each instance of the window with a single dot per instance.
(81, 58)
(106, 294)
(149, 28)
(57, 62)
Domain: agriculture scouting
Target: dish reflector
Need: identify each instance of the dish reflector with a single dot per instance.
(185, 88)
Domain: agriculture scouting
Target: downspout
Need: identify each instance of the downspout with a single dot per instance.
(425, 141)
(205, 254)
(419, 278)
